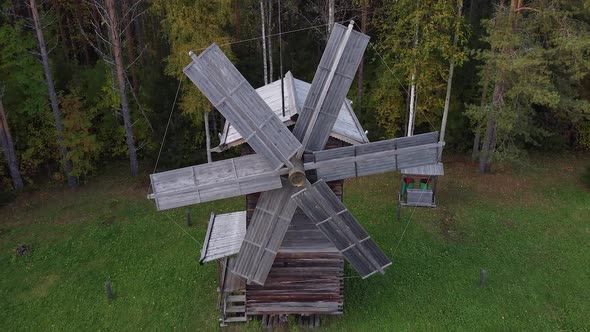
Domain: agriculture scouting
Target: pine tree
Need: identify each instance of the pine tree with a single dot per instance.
(536, 63)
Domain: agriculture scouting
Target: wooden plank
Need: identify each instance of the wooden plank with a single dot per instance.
(300, 283)
(331, 217)
(234, 97)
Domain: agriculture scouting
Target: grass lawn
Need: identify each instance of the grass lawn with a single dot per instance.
(530, 229)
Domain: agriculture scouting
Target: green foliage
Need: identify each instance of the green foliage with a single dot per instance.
(82, 144)
(191, 26)
(103, 108)
(390, 111)
(417, 38)
(536, 63)
(25, 100)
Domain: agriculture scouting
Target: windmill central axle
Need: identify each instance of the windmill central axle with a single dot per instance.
(297, 173)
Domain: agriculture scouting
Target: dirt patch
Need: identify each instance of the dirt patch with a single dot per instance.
(107, 220)
(448, 227)
(508, 223)
(42, 288)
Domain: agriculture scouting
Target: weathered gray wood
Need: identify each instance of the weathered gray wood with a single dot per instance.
(217, 180)
(234, 97)
(207, 237)
(433, 170)
(265, 234)
(335, 221)
(225, 233)
(324, 92)
(329, 87)
(420, 197)
(376, 157)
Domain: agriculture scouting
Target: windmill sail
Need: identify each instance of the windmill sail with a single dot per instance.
(217, 180)
(330, 84)
(326, 211)
(374, 158)
(236, 99)
(265, 234)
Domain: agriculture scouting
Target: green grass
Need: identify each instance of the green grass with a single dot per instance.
(529, 229)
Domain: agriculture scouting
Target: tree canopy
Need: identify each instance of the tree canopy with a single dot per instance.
(521, 79)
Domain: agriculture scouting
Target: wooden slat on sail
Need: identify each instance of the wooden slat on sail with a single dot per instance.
(329, 87)
(212, 181)
(376, 157)
(324, 209)
(265, 234)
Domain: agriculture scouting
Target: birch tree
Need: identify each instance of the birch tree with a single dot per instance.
(416, 41)
(7, 144)
(67, 163)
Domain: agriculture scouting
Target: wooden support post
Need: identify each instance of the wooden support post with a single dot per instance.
(207, 136)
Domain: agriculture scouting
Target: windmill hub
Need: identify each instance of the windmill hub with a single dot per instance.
(297, 173)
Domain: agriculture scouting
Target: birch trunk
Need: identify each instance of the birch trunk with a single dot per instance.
(72, 181)
(264, 60)
(331, 8)
(412, 114)
(270, 65)
(360, 77)
(9, 152)
(130, 46)
(117, 50)
(443, 126)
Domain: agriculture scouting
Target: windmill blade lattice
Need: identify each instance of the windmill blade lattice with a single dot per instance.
(328, 213)
(236, 99)
(270, 221)
(330, 85)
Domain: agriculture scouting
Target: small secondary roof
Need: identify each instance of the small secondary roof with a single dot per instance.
(434, 170)
(225, 234)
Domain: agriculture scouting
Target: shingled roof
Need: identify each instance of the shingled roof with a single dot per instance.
(347, 127)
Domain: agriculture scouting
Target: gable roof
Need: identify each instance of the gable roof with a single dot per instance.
(347, 127)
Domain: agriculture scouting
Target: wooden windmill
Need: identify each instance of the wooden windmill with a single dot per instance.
(291, 171)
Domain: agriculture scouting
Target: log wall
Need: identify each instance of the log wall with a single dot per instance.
(307, 276)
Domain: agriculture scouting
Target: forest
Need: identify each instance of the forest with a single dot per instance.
(88, 83)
